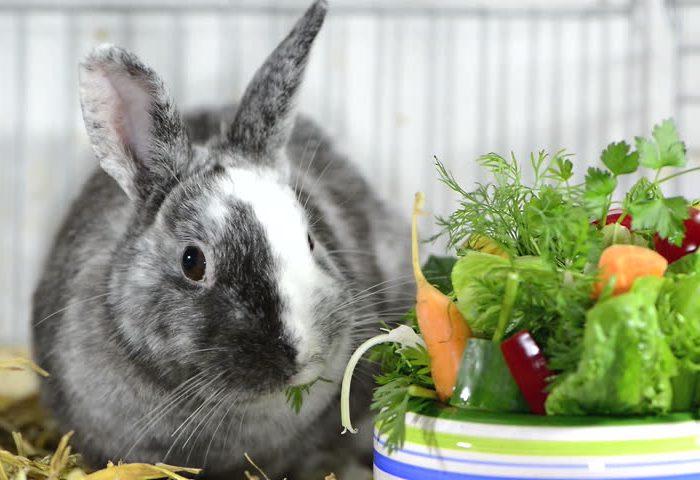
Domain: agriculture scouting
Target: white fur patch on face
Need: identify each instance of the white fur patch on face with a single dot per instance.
(217, 211)
(278, 211)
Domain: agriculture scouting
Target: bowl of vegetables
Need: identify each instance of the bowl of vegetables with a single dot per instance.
(560, 335)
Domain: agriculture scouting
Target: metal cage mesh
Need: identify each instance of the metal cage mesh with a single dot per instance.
(395, 85)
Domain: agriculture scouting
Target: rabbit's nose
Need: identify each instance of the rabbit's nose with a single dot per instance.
(286, 349)
(309, 367)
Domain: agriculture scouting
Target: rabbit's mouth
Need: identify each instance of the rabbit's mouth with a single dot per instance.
(318, 378)
(308, 375)
(309, 371)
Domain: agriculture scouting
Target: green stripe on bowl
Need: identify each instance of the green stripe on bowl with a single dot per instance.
(505, 446)
(495, 418)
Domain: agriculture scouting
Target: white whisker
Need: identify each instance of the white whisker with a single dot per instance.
(78, 302)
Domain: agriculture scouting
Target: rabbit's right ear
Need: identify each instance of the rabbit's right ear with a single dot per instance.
(135, 130)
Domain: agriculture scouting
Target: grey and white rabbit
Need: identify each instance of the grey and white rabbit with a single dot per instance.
(212, 263)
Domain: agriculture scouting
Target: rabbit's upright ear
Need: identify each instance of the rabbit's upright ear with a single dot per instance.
(265, 116)
(135, 130)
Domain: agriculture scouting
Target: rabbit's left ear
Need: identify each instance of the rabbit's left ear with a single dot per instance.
(265, 116)
(135, 130)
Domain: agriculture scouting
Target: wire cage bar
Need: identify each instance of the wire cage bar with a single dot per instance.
(685, 18)
(397, 85)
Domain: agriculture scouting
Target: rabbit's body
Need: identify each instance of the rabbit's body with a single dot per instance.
(151, 361)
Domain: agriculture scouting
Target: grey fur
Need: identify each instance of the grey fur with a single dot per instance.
(134, 166)
(272, 92)
(148, 366)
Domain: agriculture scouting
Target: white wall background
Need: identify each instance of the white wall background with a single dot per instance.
(395, 82)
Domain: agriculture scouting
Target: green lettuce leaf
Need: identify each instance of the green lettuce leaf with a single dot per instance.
(626, 365)
(688, 264)
(679, 318)
(467, 274)
(479, 281)
(438, 271)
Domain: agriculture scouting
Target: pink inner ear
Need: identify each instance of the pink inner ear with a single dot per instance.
(128, 104)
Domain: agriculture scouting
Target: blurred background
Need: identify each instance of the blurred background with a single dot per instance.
(396, 82)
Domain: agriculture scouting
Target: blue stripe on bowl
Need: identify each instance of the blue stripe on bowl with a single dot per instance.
(412, 472)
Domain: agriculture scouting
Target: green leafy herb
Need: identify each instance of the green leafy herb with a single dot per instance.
(561, 168)
(643, 190)
(402, 388)
(489, 210)
(619, 160)
(505, 171)
(665, 149)
(557, 229)
(522, 219)
(664, 216)
(600, 185)
(651, 212)
(295, 394)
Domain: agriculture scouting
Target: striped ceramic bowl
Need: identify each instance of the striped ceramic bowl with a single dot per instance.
(457, 444)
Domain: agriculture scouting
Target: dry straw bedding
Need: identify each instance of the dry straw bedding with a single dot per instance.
(31, 447)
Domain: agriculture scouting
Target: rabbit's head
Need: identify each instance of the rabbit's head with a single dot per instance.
(218, 274)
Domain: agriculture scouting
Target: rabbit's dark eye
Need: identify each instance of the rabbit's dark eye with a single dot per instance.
(193, 263)
(311, 241)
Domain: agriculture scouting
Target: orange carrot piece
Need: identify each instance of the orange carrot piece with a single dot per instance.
(627, 263)
(444, 329)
